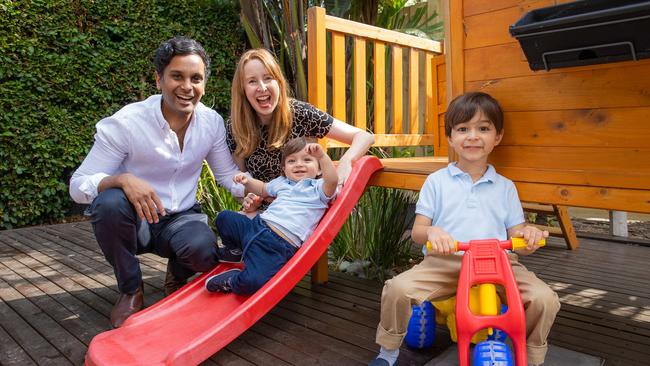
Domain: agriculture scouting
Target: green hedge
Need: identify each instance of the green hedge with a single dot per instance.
(65, 64)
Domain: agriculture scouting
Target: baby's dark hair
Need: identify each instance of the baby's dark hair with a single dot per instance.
(293, 146)
(464, 107)
(179, 46)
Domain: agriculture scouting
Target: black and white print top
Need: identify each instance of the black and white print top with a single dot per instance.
(264, 164)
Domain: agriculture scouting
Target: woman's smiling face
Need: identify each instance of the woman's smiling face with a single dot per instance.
(261, 88)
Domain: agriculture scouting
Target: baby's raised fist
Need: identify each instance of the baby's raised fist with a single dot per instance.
(314, 150)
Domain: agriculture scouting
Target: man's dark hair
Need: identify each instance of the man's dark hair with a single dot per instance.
(179, 46)
(464, 107)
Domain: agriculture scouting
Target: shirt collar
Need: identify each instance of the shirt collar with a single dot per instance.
(304, 181)
(162, 122)
(489, 175)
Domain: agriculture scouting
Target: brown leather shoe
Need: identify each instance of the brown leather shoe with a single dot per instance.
(126, 305)
(172, 283)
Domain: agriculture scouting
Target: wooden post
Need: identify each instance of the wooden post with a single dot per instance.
(568, 232)
(454, 55)
(618, 223)
(360, 100)
(316, 60)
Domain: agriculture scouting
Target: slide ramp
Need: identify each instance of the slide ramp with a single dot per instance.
(192, 324)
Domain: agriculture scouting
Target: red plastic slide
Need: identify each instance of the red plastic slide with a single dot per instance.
(192, 324)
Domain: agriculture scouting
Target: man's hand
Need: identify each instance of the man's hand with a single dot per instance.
(532, 236)
(143, 197)
(441, 242)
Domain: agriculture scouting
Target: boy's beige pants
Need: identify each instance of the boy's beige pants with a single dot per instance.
(436, 278)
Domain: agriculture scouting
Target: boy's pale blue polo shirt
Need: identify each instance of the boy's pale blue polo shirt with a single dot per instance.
(298, 206)
(468, 210)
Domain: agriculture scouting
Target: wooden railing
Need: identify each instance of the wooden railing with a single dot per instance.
(421, 97)
(418, 93)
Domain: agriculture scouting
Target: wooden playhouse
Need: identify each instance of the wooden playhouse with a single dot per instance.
(575, 135)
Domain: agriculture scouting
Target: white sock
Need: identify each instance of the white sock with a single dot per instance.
(389, 355)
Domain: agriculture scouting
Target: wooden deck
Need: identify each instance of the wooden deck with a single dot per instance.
(56, 292)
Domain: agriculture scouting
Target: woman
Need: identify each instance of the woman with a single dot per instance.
(264, 116)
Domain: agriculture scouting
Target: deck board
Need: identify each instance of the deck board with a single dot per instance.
(56, 292)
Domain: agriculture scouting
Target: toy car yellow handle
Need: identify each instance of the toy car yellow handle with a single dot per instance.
(513, 243)
(520, 243)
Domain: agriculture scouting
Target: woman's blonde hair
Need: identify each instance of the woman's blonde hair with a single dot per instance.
(245, 126)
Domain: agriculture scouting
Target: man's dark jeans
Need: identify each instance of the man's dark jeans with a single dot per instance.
(187, 241)
(264, 251)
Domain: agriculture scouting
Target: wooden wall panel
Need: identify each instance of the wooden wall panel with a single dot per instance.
(487, 6)
(629, 180)
(508, 60)
(491, 28)
(614, 127)
(594, 88)
(487, 22)
(597, 159)
(583, 196)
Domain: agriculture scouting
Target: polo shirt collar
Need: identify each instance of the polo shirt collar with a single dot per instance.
(489, 175)
(305, 181)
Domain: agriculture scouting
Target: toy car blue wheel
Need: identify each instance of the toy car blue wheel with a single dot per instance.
(492, 353)
(421, 331)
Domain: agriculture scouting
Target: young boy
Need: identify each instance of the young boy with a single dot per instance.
(271, 238)
(468, 200)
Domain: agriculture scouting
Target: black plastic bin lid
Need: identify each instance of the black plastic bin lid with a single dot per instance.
(585, 33)
(579, 13)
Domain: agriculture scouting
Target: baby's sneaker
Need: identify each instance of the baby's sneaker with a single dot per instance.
(229, 255)
(221, 282)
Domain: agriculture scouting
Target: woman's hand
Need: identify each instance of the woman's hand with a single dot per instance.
(343, 170)
(359, 141)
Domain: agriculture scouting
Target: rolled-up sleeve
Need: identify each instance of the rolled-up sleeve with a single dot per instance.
(104, 159)
(221, 162)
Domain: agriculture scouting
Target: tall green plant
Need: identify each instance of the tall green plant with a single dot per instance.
(212, 197)
(280, 26)
(375, 232)
(388, 14)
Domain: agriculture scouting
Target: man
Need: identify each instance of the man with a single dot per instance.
(141, 176)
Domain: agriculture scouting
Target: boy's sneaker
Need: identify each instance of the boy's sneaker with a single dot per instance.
(229, 255)
(221, 282)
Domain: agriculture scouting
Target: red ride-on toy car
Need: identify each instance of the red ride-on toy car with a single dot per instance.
(485, 265)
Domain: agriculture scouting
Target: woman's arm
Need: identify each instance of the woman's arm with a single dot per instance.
(359, 141)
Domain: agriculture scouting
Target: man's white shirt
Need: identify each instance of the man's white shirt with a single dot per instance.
(138, 140)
